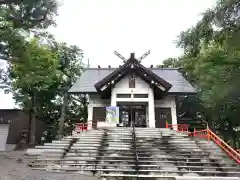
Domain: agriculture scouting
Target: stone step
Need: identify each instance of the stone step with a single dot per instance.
(57, 144)
(52, 147)
(158, 157)
(89, 134)
(106, 145)
(97, 139)
(156, 145)
(50, 155)
(203, 173)
(71, 138)
(52, 150)
(125, 150)
(149, 136)
(105, 138)
(175, 137)
(50, 158)
(86, 147)
(66, 138)
(72, 154)
(84, 137)
(131, 141)
(151, 176)
(176, 148)
(140, 162)
(150, 168)
(142, 155)
(34, 152)
(90, 140)
(147, 145)
(79, 158)
(145, 155)
(86, 144)
(142, 149)
(148, 165)
(118, 148)
(157, 167)
(158, 151)
(61, 141)
(165, 144)
(84, 150)
(119, 133)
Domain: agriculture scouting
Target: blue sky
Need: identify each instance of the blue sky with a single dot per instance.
(100, 27)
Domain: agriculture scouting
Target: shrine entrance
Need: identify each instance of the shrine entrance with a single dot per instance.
(132, 115)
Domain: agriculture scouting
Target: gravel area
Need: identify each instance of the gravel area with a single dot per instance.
(13, 166)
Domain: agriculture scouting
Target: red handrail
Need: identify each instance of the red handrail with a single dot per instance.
(230, 151)
(80, 127)
(201, 134)
(209, 135)
(178, 127)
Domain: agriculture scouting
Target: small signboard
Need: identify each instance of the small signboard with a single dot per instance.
(112, 114)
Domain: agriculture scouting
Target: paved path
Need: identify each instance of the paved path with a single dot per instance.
(13, 166)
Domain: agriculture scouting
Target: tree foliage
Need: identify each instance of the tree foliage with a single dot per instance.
(211, 62)
(38, 78)
(28, 14)
(17, 19)
(40, 69)
(32, 74)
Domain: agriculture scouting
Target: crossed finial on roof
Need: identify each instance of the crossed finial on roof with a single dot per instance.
(132, 55)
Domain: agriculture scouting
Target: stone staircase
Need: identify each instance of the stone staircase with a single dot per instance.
(135, 152)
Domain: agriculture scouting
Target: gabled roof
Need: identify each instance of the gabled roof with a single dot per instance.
(85, 84)
(161, 80)
(132, 66)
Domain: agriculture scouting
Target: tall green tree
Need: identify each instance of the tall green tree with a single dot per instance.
(18, 18)
(71, 67)
(28, 14)
(32, 74)
(211, 62)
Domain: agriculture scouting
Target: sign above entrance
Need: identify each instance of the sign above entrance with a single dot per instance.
(112, 114)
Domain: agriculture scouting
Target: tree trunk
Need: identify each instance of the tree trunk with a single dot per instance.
(63, 115)
(33, 121)
(234, 140)
(233, 134)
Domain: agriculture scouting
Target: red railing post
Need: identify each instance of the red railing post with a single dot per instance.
(208, 135)
(194, 132)
(166, 124)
